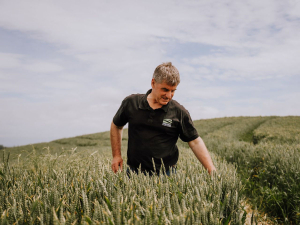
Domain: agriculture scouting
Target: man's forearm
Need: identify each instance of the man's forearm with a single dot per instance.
(116, 142)
(202, 154)
(116, 139)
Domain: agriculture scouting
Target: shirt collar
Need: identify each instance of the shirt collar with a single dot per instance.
(143, 104)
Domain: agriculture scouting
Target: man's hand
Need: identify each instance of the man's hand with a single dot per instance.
(117, 162)
(202, 154)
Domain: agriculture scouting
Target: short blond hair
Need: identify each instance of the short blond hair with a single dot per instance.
(168, 73)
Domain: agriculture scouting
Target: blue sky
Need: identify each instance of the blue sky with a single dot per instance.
(65, 66)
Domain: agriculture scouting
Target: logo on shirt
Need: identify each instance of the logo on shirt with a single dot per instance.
(167, 122)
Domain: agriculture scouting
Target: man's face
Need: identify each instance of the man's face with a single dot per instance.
(162, 92)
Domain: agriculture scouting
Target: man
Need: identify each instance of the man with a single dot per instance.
(155, 123)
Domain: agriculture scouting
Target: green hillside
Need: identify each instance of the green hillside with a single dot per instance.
(86, 143)
(265, 152)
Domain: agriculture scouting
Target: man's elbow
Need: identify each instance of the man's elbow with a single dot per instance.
(195, 142)
(114, 126)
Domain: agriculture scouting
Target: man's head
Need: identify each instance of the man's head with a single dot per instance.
(168, 73)
(164, 83)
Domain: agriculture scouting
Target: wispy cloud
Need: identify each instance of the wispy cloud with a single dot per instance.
(9, 60)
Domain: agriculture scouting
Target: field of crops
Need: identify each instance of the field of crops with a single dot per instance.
(266, 152)
(69, 181)
(80, 188)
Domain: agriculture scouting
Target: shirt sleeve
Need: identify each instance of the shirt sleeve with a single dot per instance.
(121, 118)
(187, 130)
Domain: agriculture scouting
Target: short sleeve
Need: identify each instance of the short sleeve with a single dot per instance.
(120, 119)
(187, 130)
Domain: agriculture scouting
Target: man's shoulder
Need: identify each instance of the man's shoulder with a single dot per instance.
(133, 97)
(133, 100)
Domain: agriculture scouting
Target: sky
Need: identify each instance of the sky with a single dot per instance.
(66, 66)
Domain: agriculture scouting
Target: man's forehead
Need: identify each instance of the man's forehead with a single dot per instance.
(164, 84)
(167, 86)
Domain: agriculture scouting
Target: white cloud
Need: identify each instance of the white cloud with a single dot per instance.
(66, 117)
(260, 37)
(101, 25)
(43, 67)
(190, 92)
(276, 61)
(8, 60)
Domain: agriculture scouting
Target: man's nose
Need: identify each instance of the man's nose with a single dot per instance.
(169, 95)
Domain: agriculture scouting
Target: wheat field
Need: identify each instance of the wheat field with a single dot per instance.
(69, 181)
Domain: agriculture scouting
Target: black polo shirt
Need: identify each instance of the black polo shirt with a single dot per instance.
(152, 134)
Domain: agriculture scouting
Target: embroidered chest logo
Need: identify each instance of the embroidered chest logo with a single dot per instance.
(167, 122)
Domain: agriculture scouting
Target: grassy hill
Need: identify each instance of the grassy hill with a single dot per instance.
(86, 143)
(101, 141)
(265, 152)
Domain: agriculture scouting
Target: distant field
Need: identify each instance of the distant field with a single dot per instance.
(70, 181)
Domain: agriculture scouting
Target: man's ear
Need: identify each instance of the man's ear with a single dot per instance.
(152, 83)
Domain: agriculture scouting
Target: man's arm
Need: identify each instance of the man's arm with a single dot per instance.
(202, 154)
(116, 142)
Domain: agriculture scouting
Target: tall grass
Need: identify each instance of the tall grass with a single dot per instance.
(269, 162)
(80, 188)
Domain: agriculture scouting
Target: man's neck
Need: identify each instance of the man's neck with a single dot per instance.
(152, 102)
